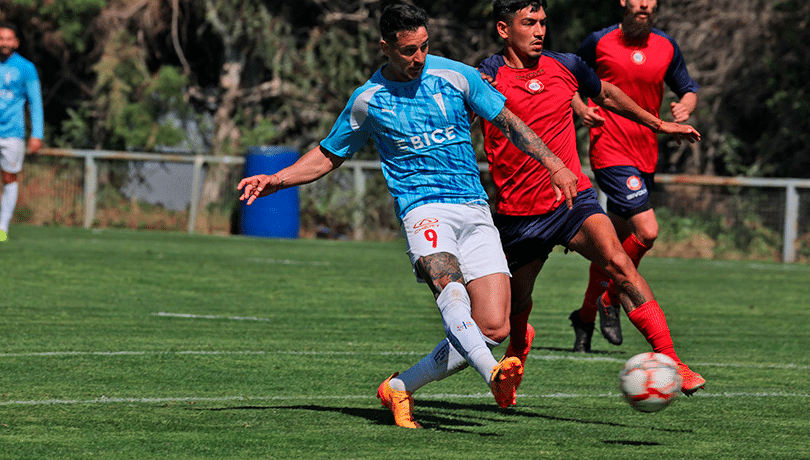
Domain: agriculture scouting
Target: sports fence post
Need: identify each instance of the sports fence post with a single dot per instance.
(90, 188)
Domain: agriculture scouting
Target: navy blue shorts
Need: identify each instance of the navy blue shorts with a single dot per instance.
(527, 238)
(627, 189)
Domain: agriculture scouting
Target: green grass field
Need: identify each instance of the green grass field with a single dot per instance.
(139, 345)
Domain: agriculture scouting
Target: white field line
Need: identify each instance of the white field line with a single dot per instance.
(738, 265)
(548, 357)
(441, 396)
(190, 316)
(359, 353)
(484, 396)
(314, 263)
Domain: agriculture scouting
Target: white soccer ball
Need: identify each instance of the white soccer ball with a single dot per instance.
(650, 381)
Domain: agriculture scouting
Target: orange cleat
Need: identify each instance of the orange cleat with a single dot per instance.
(400, 403)
(692, 381)
(506, 377)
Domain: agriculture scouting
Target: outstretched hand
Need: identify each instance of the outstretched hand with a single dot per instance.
(258, 186)
(564, 183)
(679, 132)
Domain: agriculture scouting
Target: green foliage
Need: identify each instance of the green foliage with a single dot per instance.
(71, 17)
(131, 100)
(76, 129)
(570, 21)
(328, 205)
(318, 73)
(767, 109)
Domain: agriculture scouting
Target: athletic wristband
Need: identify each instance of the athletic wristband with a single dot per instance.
(658, 128)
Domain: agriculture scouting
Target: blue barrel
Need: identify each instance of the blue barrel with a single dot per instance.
(276, 215)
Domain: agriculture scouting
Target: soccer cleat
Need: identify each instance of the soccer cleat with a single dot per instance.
(521, 355)
(609, 320)
(692, 381)
(400, 403)
(583, 332)
(506, 376)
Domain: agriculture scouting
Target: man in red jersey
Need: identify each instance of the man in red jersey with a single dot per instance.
(639, 59)
(539, 86)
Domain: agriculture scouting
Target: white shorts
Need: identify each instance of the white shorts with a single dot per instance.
(464, 230)
(12, 152)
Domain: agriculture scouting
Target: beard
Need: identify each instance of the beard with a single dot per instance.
(636, 28)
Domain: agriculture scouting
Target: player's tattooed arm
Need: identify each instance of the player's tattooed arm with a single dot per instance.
(526, 140)
(439, 269)
(563, 180)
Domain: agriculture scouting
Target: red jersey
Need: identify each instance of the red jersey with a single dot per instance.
(541, 97)
(640, 70)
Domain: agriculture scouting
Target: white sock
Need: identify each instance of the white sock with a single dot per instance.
(442, 362)
(7, 204)
(461, 330)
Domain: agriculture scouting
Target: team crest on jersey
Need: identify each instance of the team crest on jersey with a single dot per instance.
(426, 223)
(638, 57)
(634, 183)
(534, 86)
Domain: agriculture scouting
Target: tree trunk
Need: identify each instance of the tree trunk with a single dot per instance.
(226, 134)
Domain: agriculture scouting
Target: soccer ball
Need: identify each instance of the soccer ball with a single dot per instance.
(650, 381)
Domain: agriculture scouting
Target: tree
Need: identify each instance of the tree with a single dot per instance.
(749, 58)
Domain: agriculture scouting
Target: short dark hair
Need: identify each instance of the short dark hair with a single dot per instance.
(505, 9)
(398, 17)
(11, 26)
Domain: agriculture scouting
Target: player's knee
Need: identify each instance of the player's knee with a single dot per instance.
(647, 233)
(494, 326)
(619, 266)
(647, 237)
(496, 333)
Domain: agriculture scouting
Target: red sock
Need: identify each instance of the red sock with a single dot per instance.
(634, 248)
(650, 320)
(517, 334)
(598, 282)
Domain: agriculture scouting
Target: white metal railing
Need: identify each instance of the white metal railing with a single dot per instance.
(358, 167)
(91, 173)
(791, 186)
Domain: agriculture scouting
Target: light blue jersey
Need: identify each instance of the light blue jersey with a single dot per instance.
(19, 83)
(421, 129)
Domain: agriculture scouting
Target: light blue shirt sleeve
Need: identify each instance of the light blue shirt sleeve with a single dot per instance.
(481, 96)
(33, 93)
(350, 133)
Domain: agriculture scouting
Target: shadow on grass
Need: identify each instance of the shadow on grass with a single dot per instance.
(632, 443)
(447, 421)
(592, 352)
(382, 416)
(527, 413)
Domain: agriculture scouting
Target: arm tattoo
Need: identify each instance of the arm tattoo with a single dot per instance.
(525, 139)
(439, 269)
